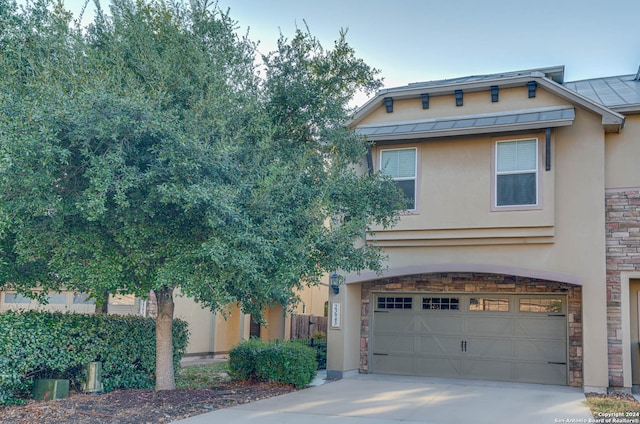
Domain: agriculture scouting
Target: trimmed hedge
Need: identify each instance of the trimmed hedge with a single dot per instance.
(35, 344)
(276, 361)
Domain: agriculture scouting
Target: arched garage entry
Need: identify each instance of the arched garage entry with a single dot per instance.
(473, 325)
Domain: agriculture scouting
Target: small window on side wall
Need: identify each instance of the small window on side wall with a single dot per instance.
(400, 164)
(516, 173)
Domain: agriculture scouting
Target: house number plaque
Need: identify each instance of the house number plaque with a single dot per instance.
(335, 315)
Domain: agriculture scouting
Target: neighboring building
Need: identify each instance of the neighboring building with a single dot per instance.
(211, 334)
(518, 258)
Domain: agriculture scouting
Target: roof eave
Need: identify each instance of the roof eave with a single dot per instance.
(450, 132)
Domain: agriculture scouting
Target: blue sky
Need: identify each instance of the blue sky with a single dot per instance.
(422, 40)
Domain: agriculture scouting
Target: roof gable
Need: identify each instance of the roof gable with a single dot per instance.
(612, 121)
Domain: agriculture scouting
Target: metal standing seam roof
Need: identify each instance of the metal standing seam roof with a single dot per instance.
(619, 93)
(471, 124)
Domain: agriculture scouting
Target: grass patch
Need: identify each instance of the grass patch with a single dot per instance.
(201, 376)
(612, 403)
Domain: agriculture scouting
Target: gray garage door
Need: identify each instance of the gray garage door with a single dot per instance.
(483, 336)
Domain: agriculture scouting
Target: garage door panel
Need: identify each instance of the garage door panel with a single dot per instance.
(393, 343)
(489, 325)
(439, 345)
(545, 327)
(541, 373)
(403, 322)
(494, 369)
(393, 364)
(489, 347)
(442, 323)
(440, 366)
(541, 350)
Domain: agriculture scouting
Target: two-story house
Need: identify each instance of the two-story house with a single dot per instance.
(518, 257)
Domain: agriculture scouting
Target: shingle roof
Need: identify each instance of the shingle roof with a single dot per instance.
(620, 93)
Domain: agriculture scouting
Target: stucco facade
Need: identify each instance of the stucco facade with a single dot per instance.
(578, 235)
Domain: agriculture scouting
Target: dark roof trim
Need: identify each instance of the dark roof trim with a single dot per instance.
(518, 120)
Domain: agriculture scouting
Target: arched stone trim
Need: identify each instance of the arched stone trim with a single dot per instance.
(470, 282)
(465, 268)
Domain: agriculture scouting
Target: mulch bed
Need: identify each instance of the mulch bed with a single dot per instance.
(138, 406)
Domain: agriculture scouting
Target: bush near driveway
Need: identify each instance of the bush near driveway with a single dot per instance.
(276, 361)
(36, 344)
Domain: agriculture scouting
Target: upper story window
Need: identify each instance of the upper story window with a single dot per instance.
(516, 173)
(400, 164)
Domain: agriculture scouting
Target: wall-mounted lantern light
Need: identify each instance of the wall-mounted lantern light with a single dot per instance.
(494, 93)
(388, 103)
(458, 97)
(334, 283)
(425, 101)
(532, 85)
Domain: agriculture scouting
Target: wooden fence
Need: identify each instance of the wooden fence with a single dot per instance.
(305, 326)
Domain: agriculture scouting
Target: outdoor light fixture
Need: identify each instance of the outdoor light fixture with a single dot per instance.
(494, 93)
(334, 283)
(425, 101)
(458, 97)
(532, 88)
(388, 103)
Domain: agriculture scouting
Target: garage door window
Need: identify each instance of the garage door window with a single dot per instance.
(441, 303)
(490, 304)
(548, 305)
(395, 302)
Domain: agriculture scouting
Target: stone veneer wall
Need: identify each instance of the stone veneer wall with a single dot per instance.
(481, 283)
(623, 254)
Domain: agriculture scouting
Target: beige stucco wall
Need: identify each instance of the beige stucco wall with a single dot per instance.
(473, 104)
(455, 228)
(623, 151)
(201, 324)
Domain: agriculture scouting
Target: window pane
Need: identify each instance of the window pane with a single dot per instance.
(395, 302)
(408, 187)
(389, 163)
(507, 156)
(489, 304)
(82, 299)
(516, 189)
(441, 303)
(122, 299)
(526, 155)
(57, 298)
(399, 163)
(541, 305)
(407, 163)
(16, 298)
(516, 156)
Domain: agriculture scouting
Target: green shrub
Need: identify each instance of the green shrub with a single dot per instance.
(277, 361)
(319, 345)
(242, 359)
(37, 344)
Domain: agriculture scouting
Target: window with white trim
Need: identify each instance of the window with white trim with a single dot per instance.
(400, 164)
(516, 173)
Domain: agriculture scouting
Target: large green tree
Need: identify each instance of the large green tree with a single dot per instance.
(146, 152)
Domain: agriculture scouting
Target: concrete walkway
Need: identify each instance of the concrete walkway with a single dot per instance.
(380, 399)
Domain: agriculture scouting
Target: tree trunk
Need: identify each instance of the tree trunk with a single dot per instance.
(165, 378)
(104, 306)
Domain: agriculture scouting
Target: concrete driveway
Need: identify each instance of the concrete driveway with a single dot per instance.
(383, 399)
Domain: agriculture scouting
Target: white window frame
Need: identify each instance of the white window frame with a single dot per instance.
(494, 190)
(415, 174)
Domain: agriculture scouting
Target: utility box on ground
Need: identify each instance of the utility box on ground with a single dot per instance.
(48, 389)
